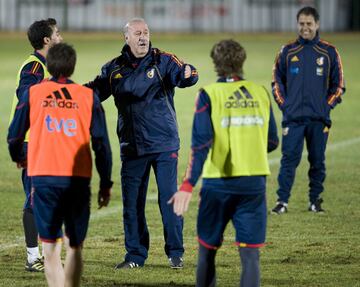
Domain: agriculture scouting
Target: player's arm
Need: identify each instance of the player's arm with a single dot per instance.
(17, 130)
(101, 146)
(273, 139)
(336, 81)
(278, 83)
(202, 139)
(31, 74)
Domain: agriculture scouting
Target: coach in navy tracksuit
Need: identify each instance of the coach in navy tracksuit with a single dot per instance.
(142, 80)
(307, 83)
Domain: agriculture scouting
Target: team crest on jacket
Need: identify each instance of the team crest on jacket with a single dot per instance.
(285, 131)
(319, 71)
(320, 61)
(294, 70)
(150, 74)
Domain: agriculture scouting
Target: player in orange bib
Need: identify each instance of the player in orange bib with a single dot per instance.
(63, 117)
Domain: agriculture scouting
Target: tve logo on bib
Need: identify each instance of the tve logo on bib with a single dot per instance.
(67, 126)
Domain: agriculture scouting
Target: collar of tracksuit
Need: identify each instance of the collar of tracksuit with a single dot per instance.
(230, 79)
(130, 58)
(61, 80)
(314, 41)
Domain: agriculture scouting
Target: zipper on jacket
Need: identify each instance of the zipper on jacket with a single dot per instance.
(172, 112)
(303, 81)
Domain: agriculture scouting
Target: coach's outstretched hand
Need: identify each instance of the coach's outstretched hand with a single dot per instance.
(181, 200)
(187, 72)
(104, 196)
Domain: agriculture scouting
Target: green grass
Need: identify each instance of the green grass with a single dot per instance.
(302, 249)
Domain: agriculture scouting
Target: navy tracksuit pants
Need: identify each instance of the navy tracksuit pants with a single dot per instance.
(135, 173)
(316, 135)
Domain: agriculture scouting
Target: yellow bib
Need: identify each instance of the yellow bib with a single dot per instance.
(240, 114)
(32, 58)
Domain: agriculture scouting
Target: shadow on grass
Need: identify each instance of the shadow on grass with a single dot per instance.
(151, 285)
(112, 283)
(142, 277)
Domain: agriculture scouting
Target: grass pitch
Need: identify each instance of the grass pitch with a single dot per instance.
(303, 249)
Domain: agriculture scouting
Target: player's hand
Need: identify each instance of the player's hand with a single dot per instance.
(21, 164)
(181, 200)
(104, 196)
(187, 72)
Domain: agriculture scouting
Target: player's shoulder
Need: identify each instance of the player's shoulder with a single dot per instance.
(33, 68)
(41, 84)
(249, 84)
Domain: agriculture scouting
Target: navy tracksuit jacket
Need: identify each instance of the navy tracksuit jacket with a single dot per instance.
(307, 83)
(145, 103)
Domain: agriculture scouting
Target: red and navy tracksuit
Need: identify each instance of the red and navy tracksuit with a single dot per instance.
(143, 91)
(229, 193)
(31, 74)
(307, 83)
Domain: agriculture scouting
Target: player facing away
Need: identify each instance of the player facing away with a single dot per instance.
(233, 129)
(63, 118)
(42, 35)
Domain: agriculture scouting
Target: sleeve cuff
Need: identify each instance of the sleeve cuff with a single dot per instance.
(106, 183)
(186, 186)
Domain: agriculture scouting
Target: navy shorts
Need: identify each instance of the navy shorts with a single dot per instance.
(55, 206)
(247, 213)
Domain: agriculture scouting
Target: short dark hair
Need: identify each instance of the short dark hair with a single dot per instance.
(308, 11)
(39, 30)
(228, 57)
(61, 60)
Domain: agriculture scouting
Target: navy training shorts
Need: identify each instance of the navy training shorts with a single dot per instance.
(247, 213)
(55, 206)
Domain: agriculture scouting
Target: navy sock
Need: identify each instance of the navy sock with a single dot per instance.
(30, 229)
(250, 275)
(205, 274)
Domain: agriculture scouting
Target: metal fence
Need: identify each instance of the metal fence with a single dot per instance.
(178, 15)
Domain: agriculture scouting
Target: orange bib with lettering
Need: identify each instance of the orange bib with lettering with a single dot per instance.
(60, 118)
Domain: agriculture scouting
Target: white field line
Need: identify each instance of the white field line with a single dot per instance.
(18, 241)
(118, 209)
(115, 209)
(188, 240)
(329, 147)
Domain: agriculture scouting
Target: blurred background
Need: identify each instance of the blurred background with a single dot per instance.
(179, 15)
